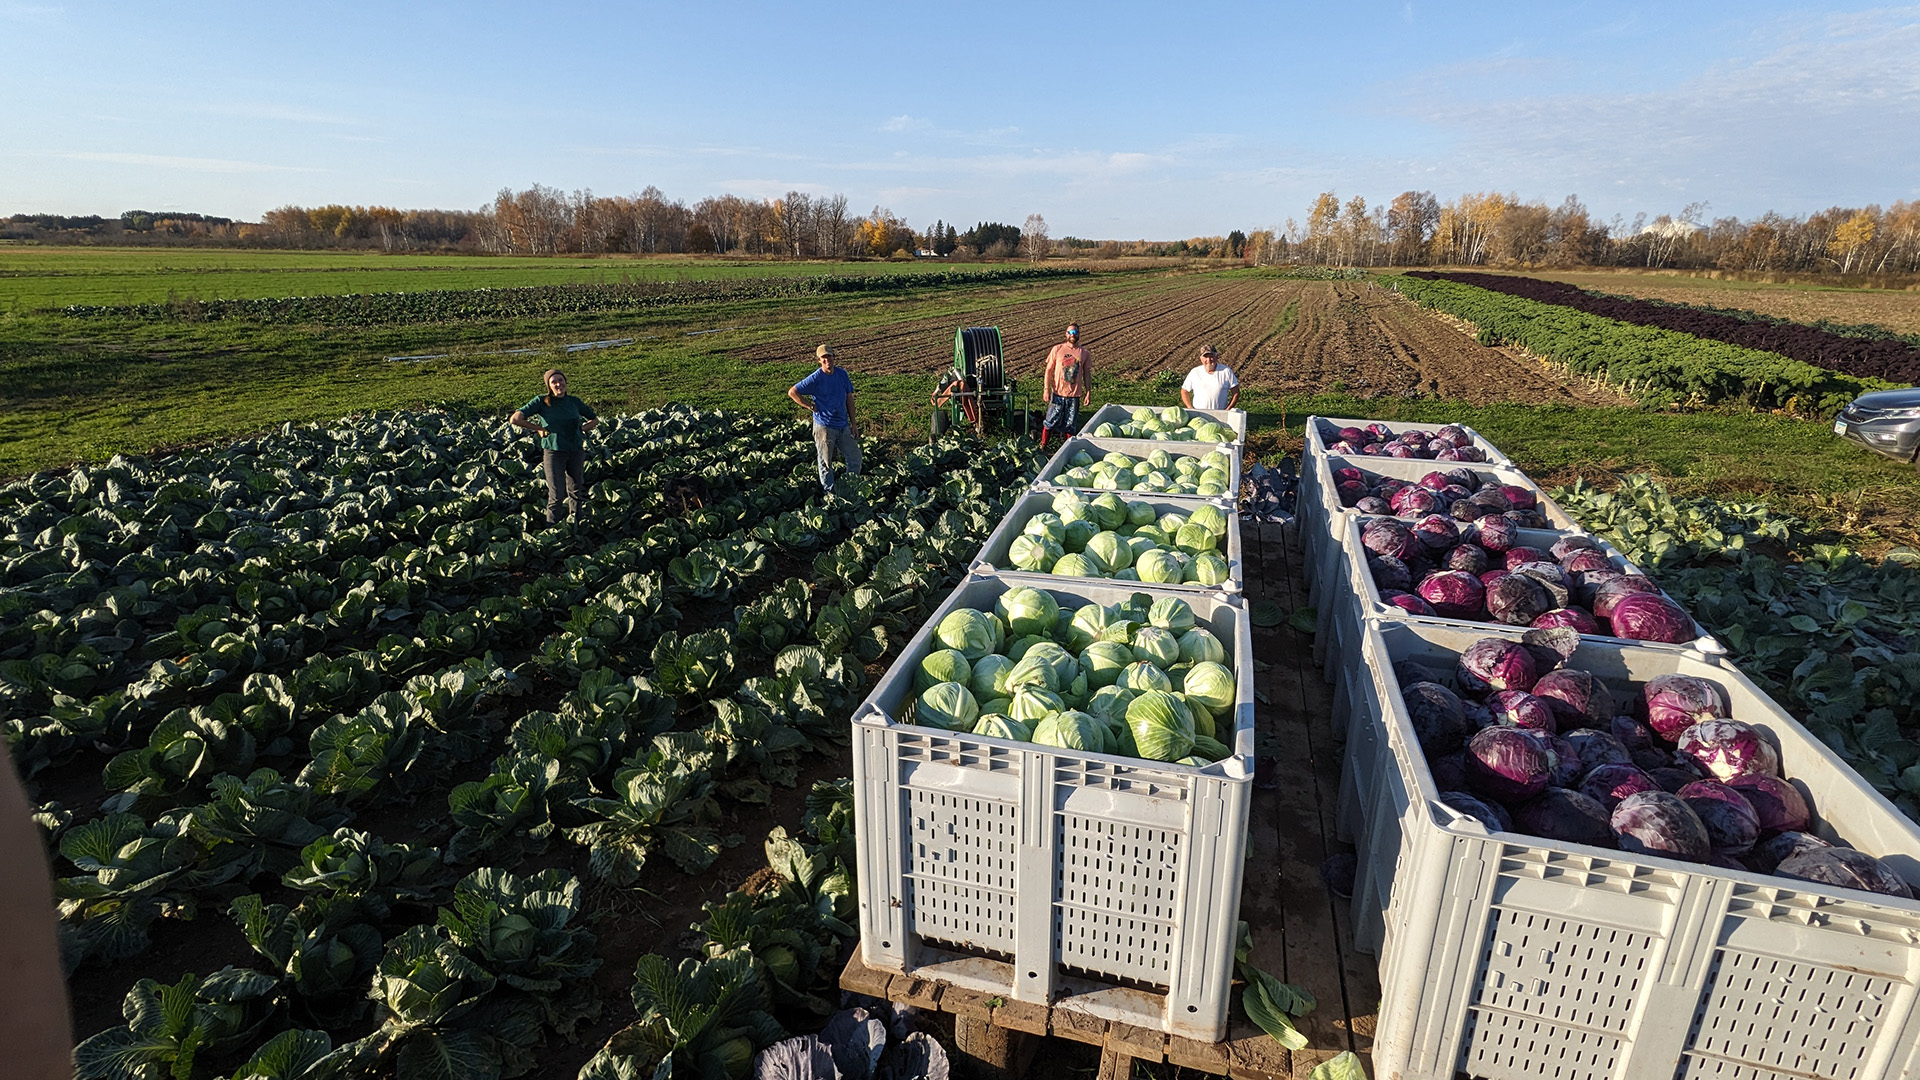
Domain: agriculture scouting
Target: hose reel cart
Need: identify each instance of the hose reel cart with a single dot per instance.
(976, 387)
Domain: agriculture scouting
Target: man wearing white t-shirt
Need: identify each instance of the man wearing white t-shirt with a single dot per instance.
(1211, 385)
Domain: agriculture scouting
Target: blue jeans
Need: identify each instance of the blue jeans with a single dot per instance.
(826, 440)
(1063, 414)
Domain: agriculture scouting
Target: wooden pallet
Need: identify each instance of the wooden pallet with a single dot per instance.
(1301, 933)
(989, 1031)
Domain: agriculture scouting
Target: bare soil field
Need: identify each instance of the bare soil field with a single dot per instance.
(1895, 310)
(1286, 336)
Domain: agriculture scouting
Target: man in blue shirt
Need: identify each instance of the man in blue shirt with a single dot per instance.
(834, 427)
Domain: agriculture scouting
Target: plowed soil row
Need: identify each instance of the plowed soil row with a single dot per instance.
(1896, 310)
(1289, 337)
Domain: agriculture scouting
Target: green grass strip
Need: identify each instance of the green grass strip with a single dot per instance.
(1659, 367)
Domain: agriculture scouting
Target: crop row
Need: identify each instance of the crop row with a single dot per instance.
(1833, 636)
(1868, 357)
(658, 729)
(1659, 366)
(534, 301)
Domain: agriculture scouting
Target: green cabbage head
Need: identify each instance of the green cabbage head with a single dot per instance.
(1141, 675)
(1211, 684)
(996, 726)
(1161, 566)
(1207, 568)
(1199, 644)
(1035, 554)
(989, 678)
(1211, 518)
(948, 705)
(1103, 661)
(1110, 551)
(973, 633)
(1032, 703)
(1162, 726)
(1171, 613)
(942, 665)
(1027, 611)
(1195, 540)
(1156, 646)
(1071, 731)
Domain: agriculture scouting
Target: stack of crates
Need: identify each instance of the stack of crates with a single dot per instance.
(1507, 956)
(1093, 883)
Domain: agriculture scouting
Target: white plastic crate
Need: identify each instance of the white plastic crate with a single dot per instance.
(1100, 884)
(1321, 431)
(993, 557)
(1510, 956)
(1139, 448)
(1121, 414)
(1343, 615)
(1326, 530)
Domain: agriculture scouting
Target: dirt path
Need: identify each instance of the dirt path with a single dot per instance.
(1287, 336)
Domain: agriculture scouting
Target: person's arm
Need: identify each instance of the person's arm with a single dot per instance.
(1233, 393)
(34, 1026)
(794, 393)
(591, 419)
(1186, 397)
(853, 423)
(520, 419)
(1086, 377)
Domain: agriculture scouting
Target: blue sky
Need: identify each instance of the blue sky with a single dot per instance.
(1114, 120)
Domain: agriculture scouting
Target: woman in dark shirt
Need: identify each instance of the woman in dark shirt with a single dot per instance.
(563, 420)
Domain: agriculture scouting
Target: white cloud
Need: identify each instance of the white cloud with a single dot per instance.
(904, 122)
(163, 161)
(1806, 119)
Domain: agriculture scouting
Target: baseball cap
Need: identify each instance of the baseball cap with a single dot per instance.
(1208, 351)
(824, 351)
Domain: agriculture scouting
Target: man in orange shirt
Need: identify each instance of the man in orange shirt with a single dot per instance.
(1067, 383)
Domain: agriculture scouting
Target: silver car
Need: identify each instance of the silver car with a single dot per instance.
(1885, 422)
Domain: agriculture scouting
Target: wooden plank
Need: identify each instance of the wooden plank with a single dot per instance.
(1205, 1057)
(1021, 1016)
(1308, 792)
(858, 978)
(1114, 1065)
(970, 1004)
(1253, 1055)
(1138, 1042)
(986, 1052)
(1078, 1026)
(919, 993)
(1359, 974)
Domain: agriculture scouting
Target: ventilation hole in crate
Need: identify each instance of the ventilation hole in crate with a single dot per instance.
(1792, 1016)
(960, 869)
(1500, 1046)
(947, 750)
(1561, 971)
(966, 919)
(1118, 897)
(1712, 1068)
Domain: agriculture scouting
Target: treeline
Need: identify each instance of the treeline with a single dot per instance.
(1491, 229)
(541, 220)
(132, 227)
(547, 221)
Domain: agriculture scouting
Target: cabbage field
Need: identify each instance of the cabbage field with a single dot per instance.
(337, 697)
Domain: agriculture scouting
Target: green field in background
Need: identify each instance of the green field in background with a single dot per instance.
(32, 278)
(86, 389)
